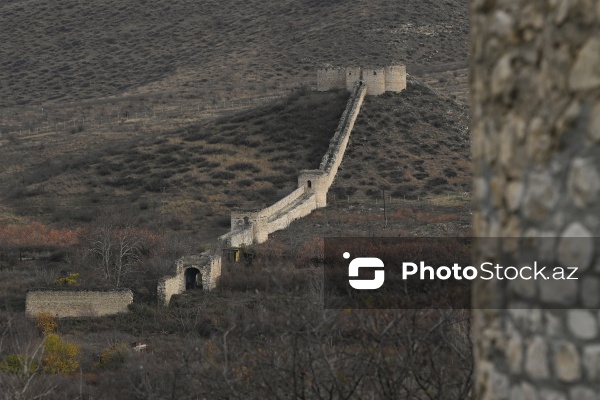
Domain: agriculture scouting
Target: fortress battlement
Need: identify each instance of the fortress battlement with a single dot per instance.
(377, 79)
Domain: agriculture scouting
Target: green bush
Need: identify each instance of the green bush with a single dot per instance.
(113, 356)
(68, 280)
(18, 364)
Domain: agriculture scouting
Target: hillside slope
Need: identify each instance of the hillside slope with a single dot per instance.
(74, 50)
(411, 144)
(185, 178)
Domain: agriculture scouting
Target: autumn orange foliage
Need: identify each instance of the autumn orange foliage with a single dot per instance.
(36, 235)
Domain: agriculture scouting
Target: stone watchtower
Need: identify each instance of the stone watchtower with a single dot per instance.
(378, 80)
(535, 87)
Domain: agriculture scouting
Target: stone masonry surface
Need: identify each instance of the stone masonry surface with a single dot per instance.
(78, 303)
(210, 270)
(378, 79)
(535, 118)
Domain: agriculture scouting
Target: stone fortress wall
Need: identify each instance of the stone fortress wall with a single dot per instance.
(391, 78)
(254, 226)
(73, 303)
(535, 118)
(395, 78)
(374, 79)
(207, 264)
(78, 303)
(250, 226)
(329, 78)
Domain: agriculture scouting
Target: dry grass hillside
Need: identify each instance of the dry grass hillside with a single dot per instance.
(113, 103)
(411, 144)
(72, 50)
(186, 178)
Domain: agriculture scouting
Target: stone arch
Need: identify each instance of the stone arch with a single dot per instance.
(309, 184)
(193, 278)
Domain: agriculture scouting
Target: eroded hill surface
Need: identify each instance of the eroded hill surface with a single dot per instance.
(71, 50)
(411, 144)
(187, 178)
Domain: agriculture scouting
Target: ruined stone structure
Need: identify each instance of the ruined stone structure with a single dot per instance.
(78, 303)
(378, 80)
(254, 226)
(535, 87)
(249, 226)
(200, 272)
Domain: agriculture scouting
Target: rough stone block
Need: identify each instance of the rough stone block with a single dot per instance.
(582, 393)
(536, 359)
(558, 292)
(567, 362)
(590, 292)
(541, 197)
(576, 247)
(585, 74)
(549, 394)
(582, 324)
(584, 182)
(591, 362)
(524, 391)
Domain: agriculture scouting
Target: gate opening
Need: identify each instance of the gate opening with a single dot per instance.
(193, 279)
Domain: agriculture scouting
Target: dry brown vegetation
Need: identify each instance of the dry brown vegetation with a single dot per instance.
(255, 338)
(411, 144)
(80, 50)
(117, 108)
(181, 179)
(122, 83)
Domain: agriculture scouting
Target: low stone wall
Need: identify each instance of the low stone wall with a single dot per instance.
(78, 303)
(169, 286)
(210, 270)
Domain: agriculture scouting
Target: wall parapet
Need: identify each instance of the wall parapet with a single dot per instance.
(74, 303)
(337, 145)
(254, 226)
(378, 79)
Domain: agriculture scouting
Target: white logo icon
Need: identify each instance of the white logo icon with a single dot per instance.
(365, 262)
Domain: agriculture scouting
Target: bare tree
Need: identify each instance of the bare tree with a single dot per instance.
(116, 246)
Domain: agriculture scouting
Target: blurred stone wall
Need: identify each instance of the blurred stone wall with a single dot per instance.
(535, 96)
